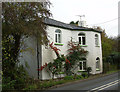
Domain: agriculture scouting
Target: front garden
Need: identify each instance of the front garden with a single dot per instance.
(46, 84)
(53, 83)
(67, 65)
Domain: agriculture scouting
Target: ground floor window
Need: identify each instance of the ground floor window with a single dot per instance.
(82, 65)
(97, 63)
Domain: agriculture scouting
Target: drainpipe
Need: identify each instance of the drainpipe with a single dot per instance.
(37, 57)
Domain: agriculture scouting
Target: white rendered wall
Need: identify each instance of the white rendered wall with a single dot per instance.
(48, 54)
(29, 56)
(93, 52)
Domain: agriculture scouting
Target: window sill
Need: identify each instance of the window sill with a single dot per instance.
(61, 73)
(60, 44)
(81, 71)
(83, 45)
(97, 69)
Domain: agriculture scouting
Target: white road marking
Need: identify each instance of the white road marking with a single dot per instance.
(106, 85)
(109, 86)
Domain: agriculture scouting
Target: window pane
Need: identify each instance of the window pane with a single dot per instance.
(81, 34)
(58, 31)
(80, 65)
(79, 40)
(59, 38)
(96, 35)
(96, 41)
(55, 37)
(98, 64)
(83, 40)
(84, 65)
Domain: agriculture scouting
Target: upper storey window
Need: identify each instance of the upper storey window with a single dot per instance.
(58, 36)
(96, 40)
(81, 38)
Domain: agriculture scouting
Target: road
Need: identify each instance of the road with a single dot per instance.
(109, 82)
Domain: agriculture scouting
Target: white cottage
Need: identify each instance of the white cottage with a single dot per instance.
(60, 33)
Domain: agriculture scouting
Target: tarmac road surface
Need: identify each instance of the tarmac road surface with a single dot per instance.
(109, 82)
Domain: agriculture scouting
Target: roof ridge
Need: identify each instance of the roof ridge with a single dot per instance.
(53, 22)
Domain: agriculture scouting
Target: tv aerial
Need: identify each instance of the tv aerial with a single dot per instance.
(80, 16)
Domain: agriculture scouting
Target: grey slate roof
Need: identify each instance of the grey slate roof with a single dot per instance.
(56, 23)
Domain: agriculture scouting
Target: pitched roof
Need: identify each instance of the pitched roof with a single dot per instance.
(56, 23)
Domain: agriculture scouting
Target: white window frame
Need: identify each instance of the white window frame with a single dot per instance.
(58, 36)
(82, 65)
(96, 40)
(81, 35)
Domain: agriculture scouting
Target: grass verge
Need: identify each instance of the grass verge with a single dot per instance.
(44, 85)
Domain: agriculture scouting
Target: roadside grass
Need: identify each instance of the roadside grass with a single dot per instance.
(109, 72)
(46, 84)
(43, 85)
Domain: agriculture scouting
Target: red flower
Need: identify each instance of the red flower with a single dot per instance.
(41, 68)
(38, 69)
(51, 45)
(67, 61)
(55, 49)
(54, 66)
(45, 64)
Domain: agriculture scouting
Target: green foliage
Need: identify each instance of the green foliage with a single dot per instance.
(79, 77)
(31, 87)
(89, 69)
(76, 53)
(110, 51)
(107, 44)
(84, 74)
(111, 62)
(56, 66)
(19, 19)
(7, 83)
(68, 78)
(74, 23)
(25, 18)
(15, 78)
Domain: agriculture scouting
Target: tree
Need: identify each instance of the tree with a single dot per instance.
(18, 20)
(74, 23)
(107, 44)
(110, 52)
(24, 19)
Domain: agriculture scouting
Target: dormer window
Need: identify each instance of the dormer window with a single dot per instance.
(81, 39)
(58, 36)
(96, 40)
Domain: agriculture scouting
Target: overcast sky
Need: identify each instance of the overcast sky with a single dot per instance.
(95, 11)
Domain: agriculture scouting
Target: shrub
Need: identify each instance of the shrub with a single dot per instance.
(8, 83)
(31, 87)
(84, 74)
(69, 78)
(89, 69)
(75, 54)
(17, 80)
(79, 77)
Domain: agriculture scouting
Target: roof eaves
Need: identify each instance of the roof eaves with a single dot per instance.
(55, 23)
